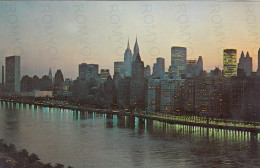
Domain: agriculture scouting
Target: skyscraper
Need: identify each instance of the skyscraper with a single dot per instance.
(83, 71)
(137, 85)
(199, 66)
(159, 67)
(191, 66)
(104, 74)
(178, 59)
(3, 75)
(12, 72)
(128, 61)
(136, 50)
(230, 62)
(245, 63)
(154, 96)
(50, 74)
(120, 68)
(147, 71)
(92, 71)
(258, 69)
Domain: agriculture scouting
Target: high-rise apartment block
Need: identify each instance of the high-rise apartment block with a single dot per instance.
(12, 72)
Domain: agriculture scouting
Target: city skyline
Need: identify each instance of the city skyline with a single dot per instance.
(62, 35)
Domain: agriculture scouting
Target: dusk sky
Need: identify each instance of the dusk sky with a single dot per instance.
(62, 35)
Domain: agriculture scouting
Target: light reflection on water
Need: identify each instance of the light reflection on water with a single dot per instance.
(85, 139)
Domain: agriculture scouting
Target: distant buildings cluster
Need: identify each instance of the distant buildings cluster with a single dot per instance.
(184, 89)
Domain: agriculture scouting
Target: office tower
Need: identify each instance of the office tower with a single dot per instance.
(159, 67)
(83, 71)
(116, 78)
(258, 69)
(123, 92)
(178, 59)
(229, 62)
(137, 86)
(199, 66)
(147, 71)
(245, 63)
(120, 68)
(92, 71)
(104, 74)
(109, 92)
(191, 66)
(3, 75)
(154, 96)
(136, 50)
(128, 61)
(12, 72)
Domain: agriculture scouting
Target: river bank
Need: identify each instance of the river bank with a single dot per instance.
(11, 158)
(167, 118)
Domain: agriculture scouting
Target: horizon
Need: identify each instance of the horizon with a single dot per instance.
(62, 35)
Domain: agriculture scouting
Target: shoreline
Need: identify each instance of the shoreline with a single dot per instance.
(166, 118)
(10, 157)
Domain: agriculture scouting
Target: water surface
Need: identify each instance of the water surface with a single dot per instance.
(86, 139)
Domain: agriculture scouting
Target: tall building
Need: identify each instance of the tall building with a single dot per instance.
(258, 66)
(230, 62)
(136, 50)
(178, 59)
(12, 72)
(92, 71)
(120, 68)
(171, 94)
(159, 67)
(3, 75)
(199, 66)
(50, 74)
(147, 71)
(83, 71)
(137, 85)
(58, 80)
(191, 66)
(104, 74)
(154, 96)
(245, 63)
(128, 61)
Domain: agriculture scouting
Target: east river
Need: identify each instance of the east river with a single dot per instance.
(87, 139)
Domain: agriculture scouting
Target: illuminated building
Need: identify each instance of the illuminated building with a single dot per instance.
(154, 96)
(104, 75)
(12, 72)
(178, 59)
(230, 62)
(171, 94)
(191, 67)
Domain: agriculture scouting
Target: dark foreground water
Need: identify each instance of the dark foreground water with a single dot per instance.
(96, 140)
